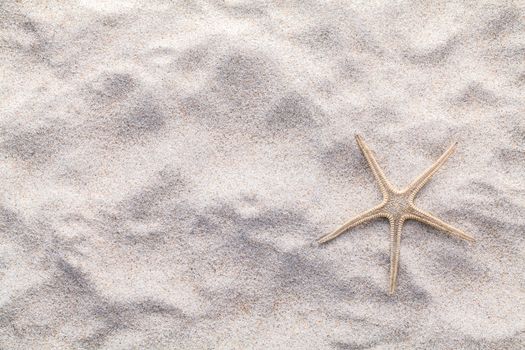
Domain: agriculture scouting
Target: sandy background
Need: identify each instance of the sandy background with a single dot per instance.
(166, 166)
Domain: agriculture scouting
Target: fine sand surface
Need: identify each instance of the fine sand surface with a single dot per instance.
(165, 167)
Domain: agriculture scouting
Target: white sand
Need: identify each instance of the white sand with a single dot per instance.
(166, 166)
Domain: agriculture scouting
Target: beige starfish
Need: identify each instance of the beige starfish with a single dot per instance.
(398, 206)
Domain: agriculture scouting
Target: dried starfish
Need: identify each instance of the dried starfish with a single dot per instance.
(398, 206)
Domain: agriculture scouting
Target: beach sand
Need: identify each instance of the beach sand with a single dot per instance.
(166, 167)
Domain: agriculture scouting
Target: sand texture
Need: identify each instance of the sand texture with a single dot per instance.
(166, 167)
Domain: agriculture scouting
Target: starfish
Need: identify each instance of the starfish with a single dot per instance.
(398, 206)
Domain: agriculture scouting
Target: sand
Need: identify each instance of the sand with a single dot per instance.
(166, 166)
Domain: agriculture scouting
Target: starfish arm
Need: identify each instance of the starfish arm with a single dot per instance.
(359, 219)
(395, 246)
(429, 219)
(379, 175)
(422, 179)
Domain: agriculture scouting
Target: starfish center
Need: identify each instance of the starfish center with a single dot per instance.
(397, 204)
